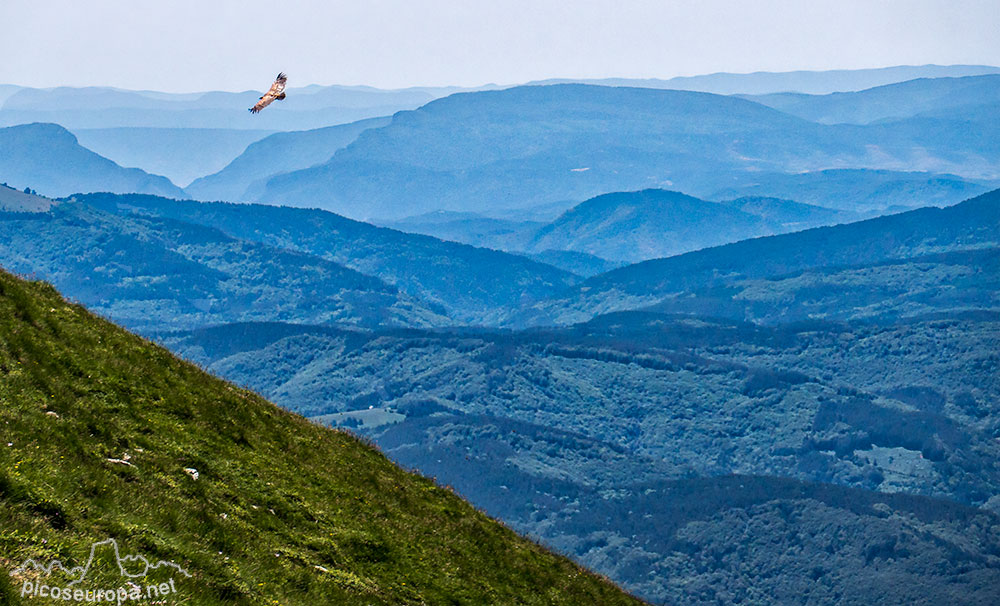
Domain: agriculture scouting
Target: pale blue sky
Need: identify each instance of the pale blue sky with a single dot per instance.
(191, 45)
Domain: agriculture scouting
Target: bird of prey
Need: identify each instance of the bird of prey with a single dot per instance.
(277, 91)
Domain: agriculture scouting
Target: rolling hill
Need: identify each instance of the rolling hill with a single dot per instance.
(635, 226)
(614, 442)
(789, 390)
(253, 504)
(469, 285)
(49, 159)
(154, 274)
(970, 225)
(892, 101)
(858, 190)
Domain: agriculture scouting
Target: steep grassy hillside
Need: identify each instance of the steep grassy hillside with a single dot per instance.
(99, 432)
(48, 158)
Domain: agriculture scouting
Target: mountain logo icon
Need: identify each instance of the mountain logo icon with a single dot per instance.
(126, 565)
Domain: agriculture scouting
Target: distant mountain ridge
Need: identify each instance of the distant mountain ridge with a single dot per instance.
(858, 190)
(49, 159)
(809, 82)
(243, 177)
(529, 146)
(632, 227)
(158, 274)
(306, 107)
(180, 154)
(525, 146)
(890, 101)
(970, 225)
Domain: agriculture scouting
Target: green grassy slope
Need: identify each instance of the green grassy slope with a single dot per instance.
(283, 511)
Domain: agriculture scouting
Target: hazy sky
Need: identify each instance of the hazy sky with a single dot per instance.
(191, 45)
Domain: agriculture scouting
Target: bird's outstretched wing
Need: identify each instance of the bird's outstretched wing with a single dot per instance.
(277, 91)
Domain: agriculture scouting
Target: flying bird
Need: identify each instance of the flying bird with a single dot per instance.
(277, 91)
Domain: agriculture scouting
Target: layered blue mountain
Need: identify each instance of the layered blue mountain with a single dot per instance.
(738, 280)
(636, 226)
(305, 108)
(808, 82)
(160, 274)
(463, 283)
(243, 177)
(525, 147)
(48, 158)
(471, 228)
(858, 190)
(528, 146)
(180, 154)
(890, 102)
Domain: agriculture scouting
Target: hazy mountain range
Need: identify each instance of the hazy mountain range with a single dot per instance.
(243, 178)
(241, 260)
(869, 366)
(315, 106)
(928, 231)
(538, 145)
(180, 154)
(630, 227)
(808, 82)
(719, 349)
(924, 96)
(305, 108)
(48, 158)
(527, 147)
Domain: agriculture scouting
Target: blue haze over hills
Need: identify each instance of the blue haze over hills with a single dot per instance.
(719, 348)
